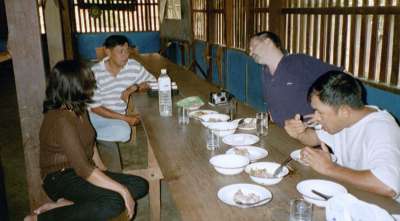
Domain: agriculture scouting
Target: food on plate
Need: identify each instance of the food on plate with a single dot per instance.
(197, 114)
(248, 123)
(241, 151)
(242, 198)
(261, 173)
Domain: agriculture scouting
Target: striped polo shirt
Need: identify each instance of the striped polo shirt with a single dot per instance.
(109, 88)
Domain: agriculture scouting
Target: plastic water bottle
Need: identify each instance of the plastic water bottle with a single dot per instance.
(164, 94)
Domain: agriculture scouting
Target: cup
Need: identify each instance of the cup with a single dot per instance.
(183, 116)
(232, 109)
(300, 210)
(212, 139)
(262, 123)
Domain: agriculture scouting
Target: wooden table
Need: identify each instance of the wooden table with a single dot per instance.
(183, 158)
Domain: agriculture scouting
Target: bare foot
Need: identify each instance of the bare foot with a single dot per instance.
(48, 206)
(30, 218)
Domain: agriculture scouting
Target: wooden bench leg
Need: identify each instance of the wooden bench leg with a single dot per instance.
(155, 200)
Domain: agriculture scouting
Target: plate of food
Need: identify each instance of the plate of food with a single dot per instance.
(252, 152)
(244, 195)
(248, 124)
(198, 113)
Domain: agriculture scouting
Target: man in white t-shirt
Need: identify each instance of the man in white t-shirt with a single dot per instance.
(365, 140)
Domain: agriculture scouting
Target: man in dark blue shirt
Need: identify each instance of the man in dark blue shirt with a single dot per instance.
(286, 77)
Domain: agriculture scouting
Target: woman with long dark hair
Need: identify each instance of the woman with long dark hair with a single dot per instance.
(73, 174)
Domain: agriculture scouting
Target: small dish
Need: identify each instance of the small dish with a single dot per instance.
(265, 168)
(323, 186)
(197, 113)
(252, 152)
(227, 193)
(240, 139)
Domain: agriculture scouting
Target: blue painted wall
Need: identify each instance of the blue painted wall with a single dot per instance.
(242, 77)
(87, 43)
(384, 100)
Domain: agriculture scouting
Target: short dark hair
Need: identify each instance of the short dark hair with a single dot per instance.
(70, 84)
(337, 88)
(115, 40)
(272, 36)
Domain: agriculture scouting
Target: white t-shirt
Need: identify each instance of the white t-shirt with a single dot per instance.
(109, 88)
(373, 143)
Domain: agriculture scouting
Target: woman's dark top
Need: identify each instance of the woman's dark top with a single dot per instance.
(66, 141)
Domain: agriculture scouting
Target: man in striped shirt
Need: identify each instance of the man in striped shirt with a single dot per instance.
(117, 77)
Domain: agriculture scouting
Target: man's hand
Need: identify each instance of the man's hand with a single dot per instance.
(295, 127)
(132, 119)
(318, 159)
(143, 87)
(127, 92)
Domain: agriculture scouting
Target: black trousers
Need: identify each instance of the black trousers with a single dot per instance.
(90, 202)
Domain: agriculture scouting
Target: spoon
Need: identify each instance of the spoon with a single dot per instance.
(252, 203)
(324, 196)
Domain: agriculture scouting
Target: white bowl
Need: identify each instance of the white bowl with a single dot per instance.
(270, 167)
(229, 164)
(223, 128)
(206, 119)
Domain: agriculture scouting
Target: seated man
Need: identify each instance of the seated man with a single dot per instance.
(117, 78)
(286, 78)
(365, 140)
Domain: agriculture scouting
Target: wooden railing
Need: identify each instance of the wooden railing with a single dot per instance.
(362, 37)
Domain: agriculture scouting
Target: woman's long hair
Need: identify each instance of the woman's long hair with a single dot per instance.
(70, 85)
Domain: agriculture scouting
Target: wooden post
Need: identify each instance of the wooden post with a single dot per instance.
(67, 28)
(276, 22)
(54, 32)
(25, 47)
(229, 23)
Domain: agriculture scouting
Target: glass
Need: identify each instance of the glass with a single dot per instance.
(262, 123)
(183, 116)
(300, 210)
(232, 109)
(212, 139)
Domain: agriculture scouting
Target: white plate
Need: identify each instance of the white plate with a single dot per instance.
(295, 155)
(254, 153)
(226, 193)
(326, 187)
(240, 139)
(197, 113)
(248, 124)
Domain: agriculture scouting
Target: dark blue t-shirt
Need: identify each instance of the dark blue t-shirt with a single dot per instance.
(286, 91)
